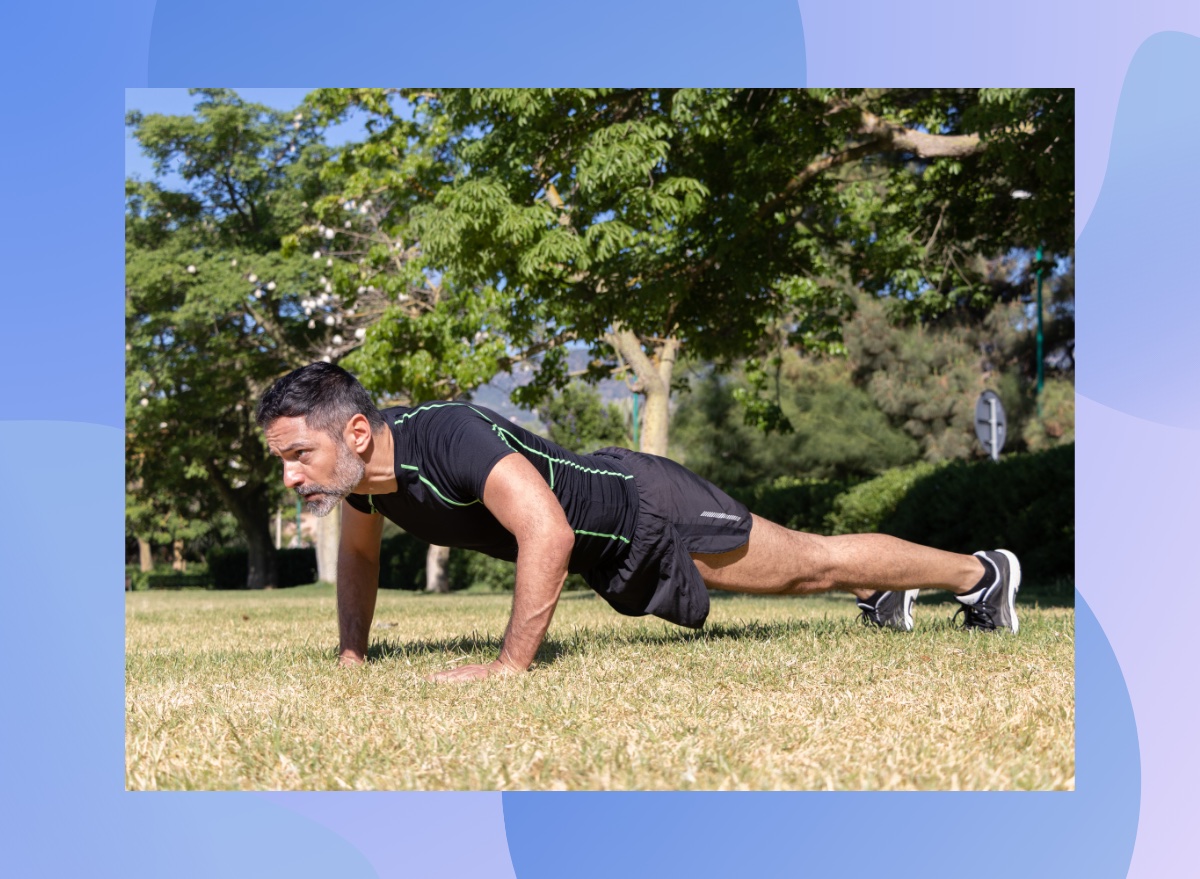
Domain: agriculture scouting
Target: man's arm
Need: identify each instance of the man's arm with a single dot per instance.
(357, 582)
(519, 498)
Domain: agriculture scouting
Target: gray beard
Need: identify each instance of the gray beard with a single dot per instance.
(347, 473)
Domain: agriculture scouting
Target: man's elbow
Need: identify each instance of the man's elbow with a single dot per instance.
(558, 542)
(566, 540)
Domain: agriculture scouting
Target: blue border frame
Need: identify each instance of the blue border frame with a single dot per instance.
(63, 161)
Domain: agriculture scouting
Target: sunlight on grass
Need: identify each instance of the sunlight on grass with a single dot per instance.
(240, 691)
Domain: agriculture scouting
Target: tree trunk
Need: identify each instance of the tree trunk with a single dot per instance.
(262, 572)
(329, 533)
(177, 562)
(252, 509)
(436, 561)
(145, 557)
(654, 376)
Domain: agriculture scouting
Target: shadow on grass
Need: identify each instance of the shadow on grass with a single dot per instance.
(1047, 593)
(581, 639)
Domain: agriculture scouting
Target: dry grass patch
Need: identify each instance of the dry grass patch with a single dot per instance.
(240, 691)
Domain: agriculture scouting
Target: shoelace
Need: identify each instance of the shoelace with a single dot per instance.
(975, 617)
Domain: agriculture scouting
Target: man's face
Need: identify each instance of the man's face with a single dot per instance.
(321, 469)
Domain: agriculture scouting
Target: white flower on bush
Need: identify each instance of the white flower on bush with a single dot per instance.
(316, 254)
(329, 233)
(328, 263)
(337, 340)
(360, 334)
(233, 262)
(143, 402)
(312, 324)
(271, 285)
(253, 279)
(329, 321)
(191, 270)
(258, 294)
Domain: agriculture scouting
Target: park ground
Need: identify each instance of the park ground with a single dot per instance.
(239, 690)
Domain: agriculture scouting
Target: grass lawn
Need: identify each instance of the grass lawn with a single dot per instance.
(236, 690)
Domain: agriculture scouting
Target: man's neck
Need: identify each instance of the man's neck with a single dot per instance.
(380, 464)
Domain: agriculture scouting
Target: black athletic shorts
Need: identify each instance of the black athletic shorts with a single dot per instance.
(679, 513)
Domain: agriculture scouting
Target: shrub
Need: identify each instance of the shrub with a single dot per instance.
(402, 562)
(800, 504)
(1025, 503)
(229, 567)
(865, 507)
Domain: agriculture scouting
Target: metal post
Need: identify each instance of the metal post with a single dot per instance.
(995, 429)
(635, 421)
(1040, 358)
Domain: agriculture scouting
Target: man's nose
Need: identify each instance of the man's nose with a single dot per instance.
(291, 475)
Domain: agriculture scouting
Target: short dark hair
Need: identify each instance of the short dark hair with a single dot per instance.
(324, 395)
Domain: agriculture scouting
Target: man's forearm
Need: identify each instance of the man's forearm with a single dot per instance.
(541, 572)
(357, 586)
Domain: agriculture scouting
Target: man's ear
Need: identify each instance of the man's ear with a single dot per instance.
(358, 433)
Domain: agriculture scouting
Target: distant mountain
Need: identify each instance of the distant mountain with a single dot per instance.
(496, 394)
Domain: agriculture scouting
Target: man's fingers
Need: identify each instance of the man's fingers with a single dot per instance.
(462, 673)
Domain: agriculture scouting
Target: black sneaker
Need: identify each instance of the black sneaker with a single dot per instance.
(994, 606)
(892, 610)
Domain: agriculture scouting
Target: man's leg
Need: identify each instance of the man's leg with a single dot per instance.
(777, 560)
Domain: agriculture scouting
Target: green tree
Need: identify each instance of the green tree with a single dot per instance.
(644, 222)
(832, 428)
(215, 310)
(927, 375)
(579, 420)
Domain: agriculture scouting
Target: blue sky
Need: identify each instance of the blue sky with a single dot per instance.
(177, 102)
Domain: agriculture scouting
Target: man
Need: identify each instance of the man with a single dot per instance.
(648, 535)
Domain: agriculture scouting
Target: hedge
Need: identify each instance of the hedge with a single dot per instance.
(1025, 503)
(402, 566)
(229, 567)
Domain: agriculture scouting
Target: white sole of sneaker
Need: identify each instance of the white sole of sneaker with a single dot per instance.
(910, 598)
(1014, 585)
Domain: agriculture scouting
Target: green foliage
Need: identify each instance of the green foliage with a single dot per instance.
(578, 420)
(214, 311)
(835, 430)
(481, 573)
(927, 376)
(402, 566)
(1025, 503)
(1056, 426)
(227, 567)
(866, 507)
(402, 561)
(797, 503)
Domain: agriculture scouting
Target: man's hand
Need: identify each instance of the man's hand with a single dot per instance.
(522, 502)
(473, 672)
